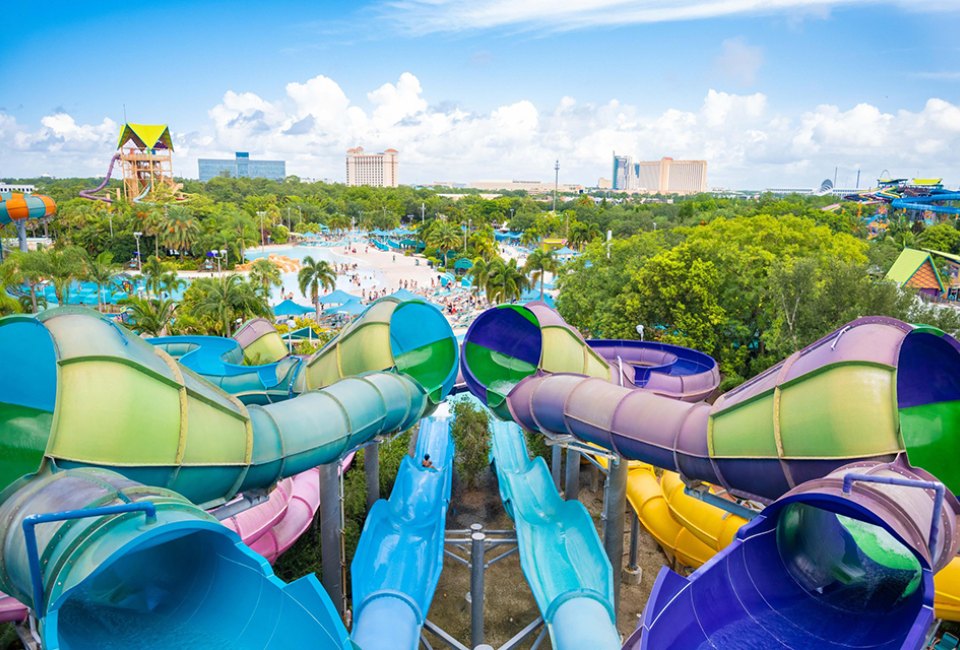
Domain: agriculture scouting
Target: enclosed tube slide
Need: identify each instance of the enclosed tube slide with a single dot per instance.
(130, 581)
(84, 391)
(834, 564)
(560, 552)
(91, 194)
(872, 390)
(400, 554)
(409, 336)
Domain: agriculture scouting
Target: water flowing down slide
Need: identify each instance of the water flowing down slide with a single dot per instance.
(560, 552)
(400, 554)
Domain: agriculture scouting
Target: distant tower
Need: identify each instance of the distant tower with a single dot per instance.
(556, 184)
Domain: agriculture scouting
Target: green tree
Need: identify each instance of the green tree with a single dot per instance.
(264, 274)
(180, 230)
(471, 439)
(506, 282)
(943, 237)
(315, 275)
(63, 267)
(445, 236)
(28, 269)
(224, 300)
(538, 264)
(148, 315)
(101, 270)
(157, 275)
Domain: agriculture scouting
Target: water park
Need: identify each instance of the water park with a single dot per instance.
(149, 483)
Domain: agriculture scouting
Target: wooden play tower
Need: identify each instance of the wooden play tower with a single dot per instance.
(144, 154)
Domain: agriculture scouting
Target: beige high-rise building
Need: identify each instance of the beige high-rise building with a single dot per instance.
(664, 176)
(376, 169)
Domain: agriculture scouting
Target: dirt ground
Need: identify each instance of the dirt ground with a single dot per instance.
(509, 604)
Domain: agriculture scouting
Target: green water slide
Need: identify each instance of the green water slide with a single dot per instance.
(82, 391)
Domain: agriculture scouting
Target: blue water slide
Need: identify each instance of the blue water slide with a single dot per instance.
(929, 203)
(560, 552)
(219, 360)
(400, 555)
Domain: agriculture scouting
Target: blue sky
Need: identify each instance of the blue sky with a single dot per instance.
(481, 89)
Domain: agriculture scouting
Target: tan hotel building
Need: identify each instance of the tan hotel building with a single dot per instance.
(376, 169)
(664, 176)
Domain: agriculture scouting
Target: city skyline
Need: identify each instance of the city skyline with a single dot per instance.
(491, 89)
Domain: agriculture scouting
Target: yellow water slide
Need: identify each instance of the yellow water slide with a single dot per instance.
(692, 531)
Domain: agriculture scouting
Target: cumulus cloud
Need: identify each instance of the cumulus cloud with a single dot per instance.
(747, 143)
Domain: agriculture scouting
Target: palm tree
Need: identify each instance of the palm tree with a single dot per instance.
(481, 272)
(445, 236)
(264, 274)
(538, 264)
(228, 298)
(150, 316)
(180, 230)
(63, 267)
(506, 281)
(316, 275)
(101, 270)
(152, 221)
(25, 269)
(155, 274)
(338, 221)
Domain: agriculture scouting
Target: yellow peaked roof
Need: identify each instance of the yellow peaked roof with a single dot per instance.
(146, 136)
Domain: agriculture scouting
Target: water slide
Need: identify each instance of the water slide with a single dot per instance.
(93, 415)
(400, 554)
(560, 552)
(91, 194)
(929, 202)
(875, 391)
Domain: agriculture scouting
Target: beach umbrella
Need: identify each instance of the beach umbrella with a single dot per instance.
(352, 308)
(338, 297)
(290, 308)
(403, 294)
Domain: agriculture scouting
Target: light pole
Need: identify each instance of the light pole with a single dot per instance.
(138, 235)
(260, 214)
(423, 209)
(465, 232)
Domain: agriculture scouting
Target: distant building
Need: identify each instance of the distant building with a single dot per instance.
(376, 169)
(242, 167)
(531, 187)
(664, 176)
(604, 184)
(18, 187)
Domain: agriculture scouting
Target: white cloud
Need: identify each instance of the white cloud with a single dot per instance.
(739, 61)
(747, 143)
(428, 16)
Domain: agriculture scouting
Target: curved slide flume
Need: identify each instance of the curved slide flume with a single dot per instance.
(560, 552)
(90, 194)
(400, 554)
(87, 403)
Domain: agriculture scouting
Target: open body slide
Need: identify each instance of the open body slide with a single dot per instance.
(400, 555)
(560, 552)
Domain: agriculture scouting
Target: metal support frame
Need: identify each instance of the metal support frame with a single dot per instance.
(30, 536)
(371, 469)
(571, 487)
(332, 559)
(247, 500)
(555, 461)
(614, 508)
(634, 544)
(476, 541)
(702, 492)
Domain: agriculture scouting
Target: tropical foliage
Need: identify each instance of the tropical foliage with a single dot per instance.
(314, 276)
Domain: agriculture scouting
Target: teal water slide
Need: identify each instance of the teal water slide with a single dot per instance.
(120, 448)
(400, 555)
(560, 552)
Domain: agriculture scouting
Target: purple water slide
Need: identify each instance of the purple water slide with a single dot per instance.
(89, 194)
(670, 370)
(835, 564)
